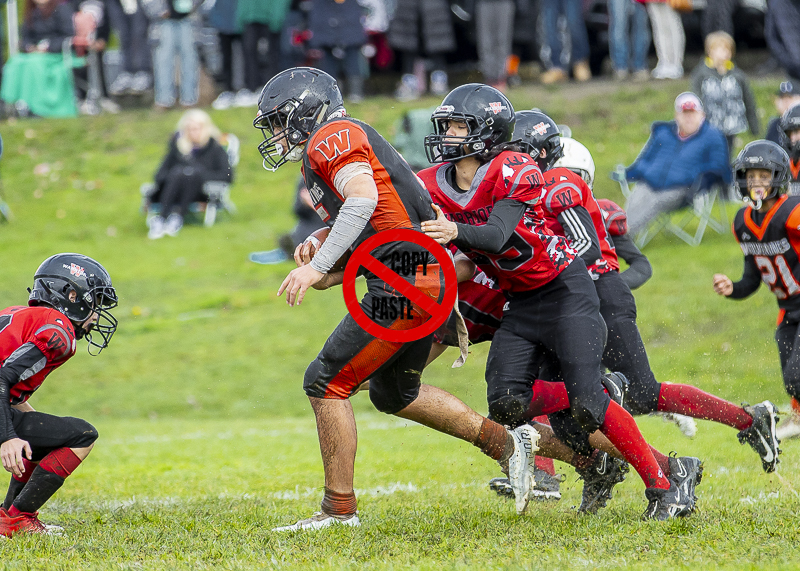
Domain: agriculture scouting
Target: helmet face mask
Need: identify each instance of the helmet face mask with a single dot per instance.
(536, 132)
(81, 289)
(290, 107)
(766, 156)
(489, 118)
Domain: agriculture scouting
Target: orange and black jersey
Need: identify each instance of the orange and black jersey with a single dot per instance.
(402, 200)
(770, 242)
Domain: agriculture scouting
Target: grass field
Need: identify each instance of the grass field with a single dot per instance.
(207, 440)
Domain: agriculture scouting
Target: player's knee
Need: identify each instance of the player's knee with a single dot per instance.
(588, 417)
(83, 434)
(391, 400)
(314, 383)
(508, 410)
(642, 398)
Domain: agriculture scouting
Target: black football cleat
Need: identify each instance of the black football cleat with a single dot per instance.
(761, 434)
(666, 504)
(617, 386)
(599, 480)
(686, 472)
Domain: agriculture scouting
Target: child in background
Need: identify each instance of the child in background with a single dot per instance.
(724, 89)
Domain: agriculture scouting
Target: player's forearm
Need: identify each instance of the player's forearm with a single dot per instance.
(492, 236)
(329, 281)
(751, 279)
(351, 221)
(6, 426)
(639, 268)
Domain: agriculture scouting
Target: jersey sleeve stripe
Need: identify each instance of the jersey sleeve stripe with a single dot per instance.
(19, 352)
(582, 241)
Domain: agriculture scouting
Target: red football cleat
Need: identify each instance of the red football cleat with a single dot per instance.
(23, 523)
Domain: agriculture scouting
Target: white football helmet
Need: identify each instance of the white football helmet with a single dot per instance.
(577, 158)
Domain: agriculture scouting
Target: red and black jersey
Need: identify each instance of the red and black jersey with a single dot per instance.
(534, 255)
(794, 172)
(402, 200)
(564, 190)
(615, 218)
(481, 305)
(42, 328)
(771, 245)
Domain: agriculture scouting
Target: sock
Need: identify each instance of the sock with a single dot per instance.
(620, 428)
(663, 461)
(691, 401)
(582, 462)
(336, 504)
(547, 398)
(45, 481)
(495, 441)
(545, 464)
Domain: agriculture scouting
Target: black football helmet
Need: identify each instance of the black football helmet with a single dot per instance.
(61, 275)
(762, 154)
(536, 131)
(488, 114)
(790, 121)
(291, 105)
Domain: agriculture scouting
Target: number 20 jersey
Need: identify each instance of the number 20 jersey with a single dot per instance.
(533, 255)
(774, 247)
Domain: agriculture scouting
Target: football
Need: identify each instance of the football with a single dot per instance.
(314, 242)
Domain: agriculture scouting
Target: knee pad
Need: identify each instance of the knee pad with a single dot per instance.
(508, 410)
(314, 382)
(81, 434)
(391, 398)
(570, 433)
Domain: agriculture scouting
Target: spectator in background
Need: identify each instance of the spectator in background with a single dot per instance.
(194, 156)
(36, 80)
(261, 23)
(682, 157)
(128, 19)
(724, 89)
(782, 32)
(223, 17)
(718, 16)
(92, 31)
(308, 222)
(787, 96)
(573, 12)
(494, 20)
(422, 27)
(175, 34)
(668, 37)
(337, 32)
(628, 39)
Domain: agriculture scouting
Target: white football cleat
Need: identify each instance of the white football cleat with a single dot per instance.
(320, 521)
(521, 465)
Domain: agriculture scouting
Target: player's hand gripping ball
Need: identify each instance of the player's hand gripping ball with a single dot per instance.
(305, 252)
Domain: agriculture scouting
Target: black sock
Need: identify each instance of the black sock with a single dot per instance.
(14, 488)
(38, 490)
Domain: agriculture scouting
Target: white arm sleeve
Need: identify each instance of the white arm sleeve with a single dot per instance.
(353, 217)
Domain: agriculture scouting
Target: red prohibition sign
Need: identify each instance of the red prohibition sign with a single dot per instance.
(438, 312)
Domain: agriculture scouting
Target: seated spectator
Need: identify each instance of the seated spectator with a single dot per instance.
(175, 33)
(790, 141)
(308, 222)
(787, 96)
(129, 20)
(36, 80)
(681, 158)
(194, 157)
(724, 89)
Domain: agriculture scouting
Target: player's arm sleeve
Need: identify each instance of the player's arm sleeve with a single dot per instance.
(639, 268)
(579, 230)
(492, 236)
(20, 365)
(751, 279)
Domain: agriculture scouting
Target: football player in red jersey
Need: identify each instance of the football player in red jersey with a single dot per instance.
(768, 233)
(70, 300)
(571, 210)
(361, 186)
(789, 126)
(483, 190)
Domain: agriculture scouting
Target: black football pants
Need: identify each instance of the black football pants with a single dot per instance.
(559, 323)
(47, 432)
(625, 352)
(788, 338)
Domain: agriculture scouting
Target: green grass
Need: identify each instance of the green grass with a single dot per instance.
(207, 440)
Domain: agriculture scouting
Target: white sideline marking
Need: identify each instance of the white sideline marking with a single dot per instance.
(762, 498)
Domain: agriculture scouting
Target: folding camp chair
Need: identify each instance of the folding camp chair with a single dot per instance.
(218, 193)
(702, 209)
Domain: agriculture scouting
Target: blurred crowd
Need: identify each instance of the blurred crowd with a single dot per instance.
(165, 48)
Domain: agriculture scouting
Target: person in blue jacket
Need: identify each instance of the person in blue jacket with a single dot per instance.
(681, 158)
